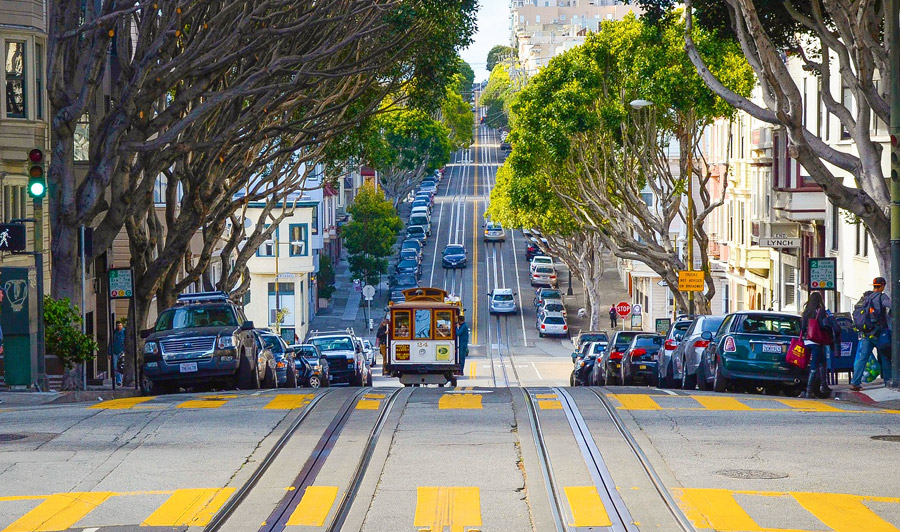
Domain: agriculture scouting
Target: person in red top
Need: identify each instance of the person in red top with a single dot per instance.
(817, 335)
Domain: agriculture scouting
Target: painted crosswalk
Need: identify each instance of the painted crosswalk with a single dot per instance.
(717, 403)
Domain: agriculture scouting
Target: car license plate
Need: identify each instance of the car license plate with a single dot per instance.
(187, 367)
(771, 348)
(642, 367)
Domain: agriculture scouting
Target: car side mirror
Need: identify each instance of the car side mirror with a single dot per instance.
(247, 326)
(145, 333)
(706, 335)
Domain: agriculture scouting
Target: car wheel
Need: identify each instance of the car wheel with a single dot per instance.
(247, 376)
(291, 377)
(608, 377)
(702, 383)
(572, 379)
(315, 382)
(791, 390)
(149, 387)
(688, 382)
(719, 380)
(271, 378)
(771, 389)
(540, 334)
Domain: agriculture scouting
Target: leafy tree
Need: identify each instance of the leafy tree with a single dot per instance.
(498, 97)
(466, 79)
(370, 234)
(457, 115)
(63, 338)
(326, 277)
(499, 53)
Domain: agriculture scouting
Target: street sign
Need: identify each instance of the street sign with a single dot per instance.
(637, 321)
(822, 273)
(663, 325)
(368, 292)
(662, 283)
(12, 237)
(637, 309)
(776, 242)
(623, 308)
(120, 283)
(691, 281)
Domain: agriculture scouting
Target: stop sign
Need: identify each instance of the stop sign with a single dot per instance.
(623, 308)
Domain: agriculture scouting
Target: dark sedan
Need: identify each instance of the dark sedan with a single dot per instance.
(410, 254)
(285, 365)
(408, 266)
(417, 233)
(414, 245)
(402, 281)
(640, 359)
(609, 370)
(454, 256)
(581, 373)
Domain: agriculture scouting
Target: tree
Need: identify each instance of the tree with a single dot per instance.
(499, 97)
(370, 234)
(844, 45)
(574, 129)
(326, 277)
(466, 79)
(63, 338)
(457, 116)
(498, 54)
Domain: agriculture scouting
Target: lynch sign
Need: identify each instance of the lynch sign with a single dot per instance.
(779, 242)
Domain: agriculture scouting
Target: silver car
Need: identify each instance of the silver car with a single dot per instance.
(552, 323)
(502, 300)
(690, 349)
(543, 276)
(493, 232)
(673, 338)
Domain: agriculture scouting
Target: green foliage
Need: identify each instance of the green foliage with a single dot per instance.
(326, 277)
(457, 116)
(62, 333)
(499, 96)
(369, 235)
(498, 53)
(406, 139)
(465, 80)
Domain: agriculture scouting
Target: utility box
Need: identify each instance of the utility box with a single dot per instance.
(19, 319)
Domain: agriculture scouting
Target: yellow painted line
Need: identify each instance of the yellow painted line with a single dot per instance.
(189, 507)
(368, 404)
(636, 401)
(202, 403)
(587, 507)
(550, 404)
(475, 250)
(721, 403)
(460, 401)
(843, 513)
(472, 366)
(314, 506)
(545, 396)
(438, 508)
(374, 396)
(808, 404)
(716, 509)
(120, 404)
(59, 512)
(285, 401)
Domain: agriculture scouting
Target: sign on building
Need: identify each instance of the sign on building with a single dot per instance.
(822, 273)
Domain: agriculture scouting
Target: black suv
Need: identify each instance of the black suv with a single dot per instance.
(204, 338)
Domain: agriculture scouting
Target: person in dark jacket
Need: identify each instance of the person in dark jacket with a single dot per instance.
(613, 316)
(117, 352)
(869, 341)
(462, 342)
(381, 338)
(817, 335)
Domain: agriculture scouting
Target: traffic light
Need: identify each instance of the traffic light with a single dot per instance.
(37, 178)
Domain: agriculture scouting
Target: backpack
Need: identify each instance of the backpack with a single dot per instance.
(832, 325)
(867, 314)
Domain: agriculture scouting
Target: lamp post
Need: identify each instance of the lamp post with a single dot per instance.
(892, 34)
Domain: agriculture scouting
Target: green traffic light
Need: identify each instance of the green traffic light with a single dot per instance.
(36, 189)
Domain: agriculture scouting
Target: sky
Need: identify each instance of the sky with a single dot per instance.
(493, 29)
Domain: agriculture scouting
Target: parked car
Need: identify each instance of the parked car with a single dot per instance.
(494, 232)
(317, 375)
(346, 362)
(369, 351)
(419, 209)
(552, 305)
(454, 256)
(397, 296)
(540, 260)
(673, 338)
(639, 360)
(505, 146)
(416, 232)
(584, 365)
(502, 301)
(410, 254)
(544, 276)
(612, 362)
(585, 337)
(403, 281)
(285, 366)
(553, 324)
(687, 355)
(408, 266)
(203, 339)
(412, 244)
(421, 202)
(542, 295)
(750, 347)
(420, 220)
(532, 249)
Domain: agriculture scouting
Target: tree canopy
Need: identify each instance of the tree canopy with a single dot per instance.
(370, 234)
(499, 53)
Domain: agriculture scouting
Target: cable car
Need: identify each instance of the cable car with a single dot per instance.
(422, 338)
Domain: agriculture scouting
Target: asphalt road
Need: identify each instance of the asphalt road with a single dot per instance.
(510, 449)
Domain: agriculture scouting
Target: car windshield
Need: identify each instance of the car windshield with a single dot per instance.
(415, 229)
(406, 280)
(554, 307)
(332, 344)
(307, 352)
(595, 337)
(409, 253)
(771, 324)
(503, 297)
(598, 347)
(407, 263)
(187, 317)
(454, 250)
(624, 339)
(711, 324)
(410, 244)
(272, 343)
(418, 219)
(680, 328)
(648, 341)
(551, 294)
(555, 320)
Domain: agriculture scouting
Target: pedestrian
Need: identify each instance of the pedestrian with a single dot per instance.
(870, 318)
(462, 342)
(613, 316)
(817, 335)
(117, 352)
(381, 338)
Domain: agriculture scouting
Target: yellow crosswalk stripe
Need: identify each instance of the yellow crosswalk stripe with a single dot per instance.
(550, 404)
(545, 396)
(189, 507)
(460, 401)
(368, 404)
(438, 508)
(121, 404)
(721, 403)
(285, 401)
(809, 404)
(636, 401)
(587, 507)
(314, 506)
(59, 512)
(202, 403)
(843, 513)
(715, 509)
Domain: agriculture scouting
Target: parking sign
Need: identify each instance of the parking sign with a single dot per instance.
(121, 285)
(822, 273)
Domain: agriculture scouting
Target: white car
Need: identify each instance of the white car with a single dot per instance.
(502, 300)
(541, 260)
(552, 323)
(493, 232)
(369, 351)
(544, 276)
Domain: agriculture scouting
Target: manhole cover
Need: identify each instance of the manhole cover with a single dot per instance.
(751, 474)
(895, 438)
(11, 437)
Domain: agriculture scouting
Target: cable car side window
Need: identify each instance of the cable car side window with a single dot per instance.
(443, 329)
(423, 324)
(401, 324)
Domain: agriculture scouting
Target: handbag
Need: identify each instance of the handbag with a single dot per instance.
(797, 355)
(816, 333)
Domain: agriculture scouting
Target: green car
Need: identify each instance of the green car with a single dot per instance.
(750, 348)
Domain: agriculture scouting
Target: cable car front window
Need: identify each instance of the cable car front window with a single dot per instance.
(444, 324)
(423, 324)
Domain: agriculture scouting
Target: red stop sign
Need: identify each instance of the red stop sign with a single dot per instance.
(623, 308)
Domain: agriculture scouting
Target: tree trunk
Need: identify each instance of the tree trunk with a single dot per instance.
(72, 378)
(137, 320)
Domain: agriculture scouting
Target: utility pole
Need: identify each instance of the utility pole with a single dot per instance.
(892, 31)
(690, 209)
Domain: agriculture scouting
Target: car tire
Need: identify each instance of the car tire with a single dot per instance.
(720, 383)
(702, 383)
(291, 381)
(315, 382)
(270, 381)
(608, 378)
(149, 387)
(688, 382)
(247, 376)
(572, 379)
(540, 334)
(792, 390)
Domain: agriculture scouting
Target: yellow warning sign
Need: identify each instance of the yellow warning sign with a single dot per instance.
(690, 281)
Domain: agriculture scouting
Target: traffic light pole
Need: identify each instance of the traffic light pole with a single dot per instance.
(892, 34)
(39, 270)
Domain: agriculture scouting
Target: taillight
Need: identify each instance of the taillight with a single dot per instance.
(729, 346)
(553, 277)
(543, 326)
(670, 345)
(615, 355)
(638, 353)
(701, 343)
(565, 327)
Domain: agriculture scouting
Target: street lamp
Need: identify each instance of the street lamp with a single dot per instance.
(640, 104)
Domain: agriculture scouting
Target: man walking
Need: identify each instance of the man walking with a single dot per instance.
(613, 317)
(874, 332)
(462, 343)
(381, 339)
(117, 351)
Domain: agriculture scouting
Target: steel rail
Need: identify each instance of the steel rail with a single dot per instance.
(673, 507)
(556, 507)
(235, 500)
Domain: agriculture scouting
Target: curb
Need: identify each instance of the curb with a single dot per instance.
(854, 397)
(85, 396)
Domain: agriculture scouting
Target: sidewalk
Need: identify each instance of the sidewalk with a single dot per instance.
(29, 398)
(872, 395)
(611, 292)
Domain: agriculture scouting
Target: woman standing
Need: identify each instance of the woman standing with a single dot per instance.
(816, 333)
